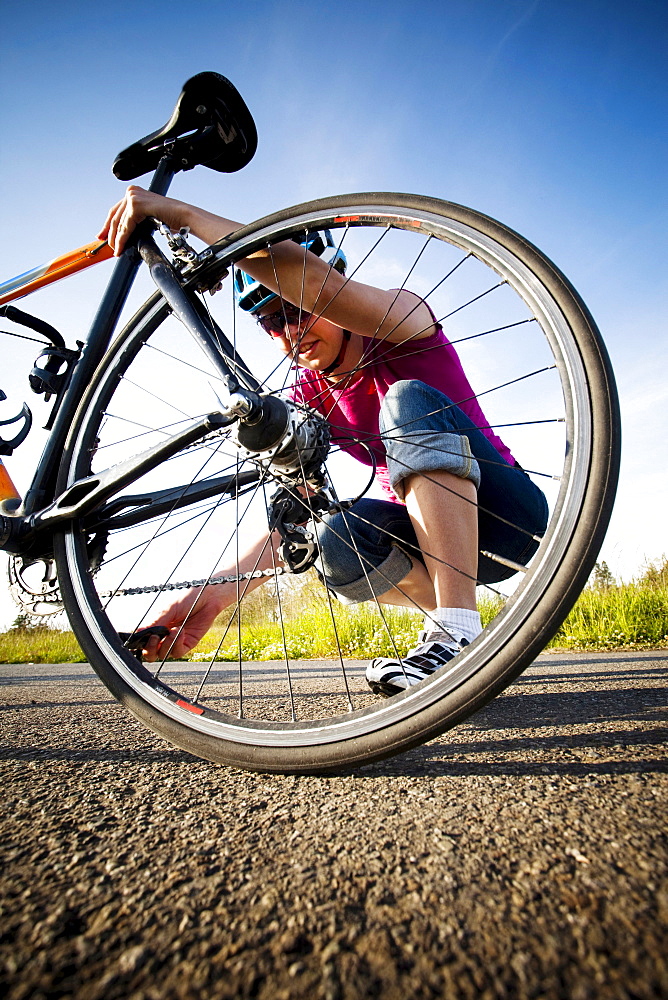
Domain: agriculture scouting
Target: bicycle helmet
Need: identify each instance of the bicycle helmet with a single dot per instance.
(251, 295)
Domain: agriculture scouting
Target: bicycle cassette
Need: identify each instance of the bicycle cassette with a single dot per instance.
(289, 441)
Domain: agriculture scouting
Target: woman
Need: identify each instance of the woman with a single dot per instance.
(378, 366)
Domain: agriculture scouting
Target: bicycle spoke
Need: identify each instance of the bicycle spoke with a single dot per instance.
(153, 538)
(526, 391)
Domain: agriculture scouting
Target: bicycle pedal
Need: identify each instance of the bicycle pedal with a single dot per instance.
(135, 641)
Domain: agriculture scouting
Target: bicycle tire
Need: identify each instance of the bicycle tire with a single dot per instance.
(580, 510)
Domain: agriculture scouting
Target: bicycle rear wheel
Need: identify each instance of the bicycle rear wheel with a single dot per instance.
(280, 700)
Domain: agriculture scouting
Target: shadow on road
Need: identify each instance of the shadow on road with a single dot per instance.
(518, 718)
(573, 708)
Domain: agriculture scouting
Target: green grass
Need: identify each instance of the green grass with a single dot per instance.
(628, 616)
(632, 616)
(361, 633)
(39, 645)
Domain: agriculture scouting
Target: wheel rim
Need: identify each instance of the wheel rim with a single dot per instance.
(566, 505)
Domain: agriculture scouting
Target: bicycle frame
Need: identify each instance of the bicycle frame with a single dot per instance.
(60, 267)
(29, 529)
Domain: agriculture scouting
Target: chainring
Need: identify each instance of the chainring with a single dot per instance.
(33, 582)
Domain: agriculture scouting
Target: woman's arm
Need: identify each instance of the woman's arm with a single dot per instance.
(352, 305)
(138, 204)
(190, 617)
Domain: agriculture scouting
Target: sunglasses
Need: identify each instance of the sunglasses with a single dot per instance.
(288, 315)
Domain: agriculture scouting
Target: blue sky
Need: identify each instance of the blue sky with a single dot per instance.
(546, 114)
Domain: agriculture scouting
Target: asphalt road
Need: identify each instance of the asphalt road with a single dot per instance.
(520, 855)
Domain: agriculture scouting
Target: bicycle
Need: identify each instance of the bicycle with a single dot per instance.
(220, 439)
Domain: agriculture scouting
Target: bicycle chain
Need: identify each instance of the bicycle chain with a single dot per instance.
(256, 574)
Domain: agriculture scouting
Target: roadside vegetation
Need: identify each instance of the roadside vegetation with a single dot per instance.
(28, 641)
(608, 615)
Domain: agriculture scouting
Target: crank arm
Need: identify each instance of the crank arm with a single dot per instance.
(127, 511)
(86, 495)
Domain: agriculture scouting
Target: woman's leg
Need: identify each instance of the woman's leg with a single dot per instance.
(447, 578)
(444, 513)
(451, 479)
(369, 550)
(437, 462)
(432, 468)
(427, 436)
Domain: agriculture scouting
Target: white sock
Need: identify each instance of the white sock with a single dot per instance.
(463, 619)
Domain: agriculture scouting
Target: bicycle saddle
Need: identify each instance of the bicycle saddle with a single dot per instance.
(210, 125)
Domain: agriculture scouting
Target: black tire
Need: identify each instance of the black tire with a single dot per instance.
(580, 505)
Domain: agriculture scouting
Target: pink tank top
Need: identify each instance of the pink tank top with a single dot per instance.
(352, 408)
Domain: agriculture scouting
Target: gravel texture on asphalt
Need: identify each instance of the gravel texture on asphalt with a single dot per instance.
(520, 855)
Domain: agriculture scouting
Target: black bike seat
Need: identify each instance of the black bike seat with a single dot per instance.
(210, 125)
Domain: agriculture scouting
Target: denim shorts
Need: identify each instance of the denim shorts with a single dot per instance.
(371, 547)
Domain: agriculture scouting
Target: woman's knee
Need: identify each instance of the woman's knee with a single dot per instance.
(408, 400)
(421, 434)
(346, 543)
(334, 541)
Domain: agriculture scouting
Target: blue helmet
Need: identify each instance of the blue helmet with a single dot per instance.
(251, 295)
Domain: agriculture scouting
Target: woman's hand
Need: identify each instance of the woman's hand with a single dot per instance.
(191, 617)
(188, 621)
(139, 204)
(136, 206)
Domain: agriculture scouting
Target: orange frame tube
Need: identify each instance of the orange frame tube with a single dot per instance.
(7, 489)
(54, 270)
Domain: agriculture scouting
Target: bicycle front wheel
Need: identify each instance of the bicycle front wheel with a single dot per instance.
(280, 685)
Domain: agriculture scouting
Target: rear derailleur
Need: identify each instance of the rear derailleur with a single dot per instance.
(291, 515)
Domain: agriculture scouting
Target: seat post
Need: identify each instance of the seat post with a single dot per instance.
(163, 176)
